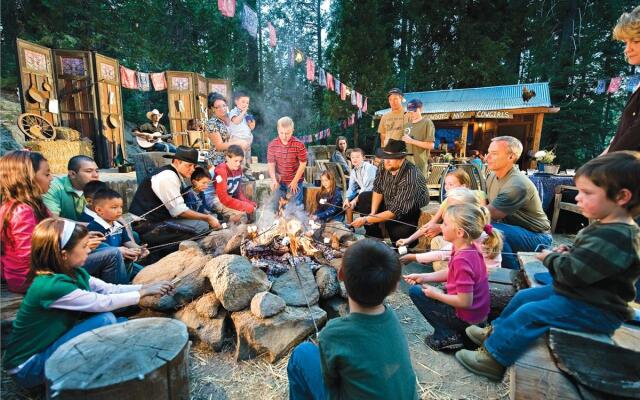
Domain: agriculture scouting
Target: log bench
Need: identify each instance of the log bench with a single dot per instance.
(575, 365)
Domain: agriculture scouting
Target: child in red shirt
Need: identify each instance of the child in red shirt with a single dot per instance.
(230, 201)
(467, 286)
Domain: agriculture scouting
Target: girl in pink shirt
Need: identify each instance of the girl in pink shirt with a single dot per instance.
(465, 300)
(24, 179)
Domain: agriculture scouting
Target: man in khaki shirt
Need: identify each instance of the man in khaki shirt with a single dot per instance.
(392, 123)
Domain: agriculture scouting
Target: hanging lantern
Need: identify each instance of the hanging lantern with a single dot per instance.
(372, 124)
(299, 57)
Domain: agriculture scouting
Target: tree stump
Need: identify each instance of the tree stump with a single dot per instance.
(146, 163)
(141, 359)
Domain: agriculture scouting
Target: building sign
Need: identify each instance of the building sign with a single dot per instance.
(461, 115)
(494, 114)
(437, 116)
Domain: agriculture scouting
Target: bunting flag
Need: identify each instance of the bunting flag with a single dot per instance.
(338, 85)
(128, 78)
(159, 81)
(144, 83)
(328, 132)
(354, 98)
(292, 61)
(364, 105)
(602, 86)
(343, 92)
(359, 113)
(330, 83)
(272, 35)
(227, 8)
(250, 20)
(311, 69)
(322, 77)
(359, 102)
(633, 83)
(614, 85)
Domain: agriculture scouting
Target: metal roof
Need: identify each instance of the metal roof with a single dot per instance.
(479, 99)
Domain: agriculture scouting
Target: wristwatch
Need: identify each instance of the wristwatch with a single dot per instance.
(366, 220)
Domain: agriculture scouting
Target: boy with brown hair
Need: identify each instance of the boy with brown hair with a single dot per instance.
(365, 354)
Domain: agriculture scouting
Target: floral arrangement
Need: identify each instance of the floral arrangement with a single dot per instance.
(545, 156)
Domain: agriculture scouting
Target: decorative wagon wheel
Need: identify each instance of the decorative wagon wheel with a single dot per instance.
(35, 127)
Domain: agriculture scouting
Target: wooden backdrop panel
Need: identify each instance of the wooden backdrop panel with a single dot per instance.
(182, 108)
(222, 86)
(200, 97)
(36, 71)
(110, 115)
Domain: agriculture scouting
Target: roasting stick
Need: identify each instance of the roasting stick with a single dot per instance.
(324, 201)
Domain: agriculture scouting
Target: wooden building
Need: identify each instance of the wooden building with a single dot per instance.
(476, 115)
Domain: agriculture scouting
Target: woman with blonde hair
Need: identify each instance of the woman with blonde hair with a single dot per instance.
(24, 179)
(627, 136)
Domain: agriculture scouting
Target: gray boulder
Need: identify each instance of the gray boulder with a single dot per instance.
(288, 287)
(207, 305)
(265, 304)
(211, 331)
(235, 281)
(327, 280)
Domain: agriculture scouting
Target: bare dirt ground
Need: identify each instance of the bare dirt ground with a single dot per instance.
(217, 376)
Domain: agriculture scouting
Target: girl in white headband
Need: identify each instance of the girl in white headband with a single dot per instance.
(63, 300)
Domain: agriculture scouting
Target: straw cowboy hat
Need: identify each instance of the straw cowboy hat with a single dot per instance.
(154, 112)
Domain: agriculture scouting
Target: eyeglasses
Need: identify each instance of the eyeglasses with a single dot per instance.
(220, 107)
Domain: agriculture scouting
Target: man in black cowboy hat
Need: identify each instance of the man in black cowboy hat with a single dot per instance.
(159, 199)
(399, 191)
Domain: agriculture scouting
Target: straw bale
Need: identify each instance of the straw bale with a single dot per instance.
(65, 133)
(58, 152)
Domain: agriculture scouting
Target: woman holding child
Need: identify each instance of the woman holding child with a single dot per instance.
(63, 300)
(24, 179)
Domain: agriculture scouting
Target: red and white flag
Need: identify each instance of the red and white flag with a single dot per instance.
(359, 100)
(311, 69)
(614, 85)
(227, 7)
(364, 106)
(343, 92)
(272, 35)
(159, 81)
(330, 83)
(128, 78)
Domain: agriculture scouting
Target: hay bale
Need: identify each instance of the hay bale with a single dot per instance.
(58, 152)
(65, 133)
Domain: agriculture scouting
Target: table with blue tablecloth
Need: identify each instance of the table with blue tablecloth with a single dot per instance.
(546, 186)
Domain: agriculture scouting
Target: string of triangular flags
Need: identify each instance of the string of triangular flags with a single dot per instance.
(131, 79)
(616, 83)
(326, 133)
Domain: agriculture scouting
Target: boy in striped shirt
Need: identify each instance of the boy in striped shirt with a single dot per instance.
(287, 159)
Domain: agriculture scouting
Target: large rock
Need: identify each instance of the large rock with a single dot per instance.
(327, 280)
(274, 337)
(208, 305)
(235, 281)
(187, 265)
(211, 331)
(335, 307)
(339, 229)
(224, 241)
(288, 287)
(265, 305)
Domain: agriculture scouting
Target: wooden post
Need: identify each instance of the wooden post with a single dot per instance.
(537, 133)
(463, 139)
(145, 358)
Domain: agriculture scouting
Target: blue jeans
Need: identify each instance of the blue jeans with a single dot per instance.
(532, 312)
(282, 191)
(107, 263)
(305, 374)
(441, 316)
(517, 238)
(32, 373)
(163, 146)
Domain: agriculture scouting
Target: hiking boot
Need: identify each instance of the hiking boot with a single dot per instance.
(480, 362)
(477, 334)
(450, 343)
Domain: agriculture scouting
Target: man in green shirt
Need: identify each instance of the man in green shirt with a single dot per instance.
(65, 197)
(365, 354)
(419, 135)
(392, 124)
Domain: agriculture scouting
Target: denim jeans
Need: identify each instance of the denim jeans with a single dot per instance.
(441, 316)
(107, 263)
(163, 146)
(532, 312)
(282, 191)
(517, 238)
(305, 374)
(32, 373)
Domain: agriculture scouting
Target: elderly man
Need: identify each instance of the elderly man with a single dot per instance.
(287, 160)
(399, 191)
(392, 124)
(419, 135)
(514, 202)
(159, 199)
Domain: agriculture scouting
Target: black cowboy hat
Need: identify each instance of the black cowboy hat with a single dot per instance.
(394, 150)
(186, 154)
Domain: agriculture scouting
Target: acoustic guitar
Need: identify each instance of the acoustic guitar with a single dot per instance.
(146, 143)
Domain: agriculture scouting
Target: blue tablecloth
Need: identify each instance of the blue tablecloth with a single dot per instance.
(546, 185)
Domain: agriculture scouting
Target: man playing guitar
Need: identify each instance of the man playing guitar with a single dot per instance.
(150, 135)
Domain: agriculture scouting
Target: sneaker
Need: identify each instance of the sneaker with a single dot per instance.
(480, 362)
(477, 334)
(450, 343)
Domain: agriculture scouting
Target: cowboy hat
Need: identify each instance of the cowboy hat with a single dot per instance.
(394, 150)
(154, 112)
(186, 154)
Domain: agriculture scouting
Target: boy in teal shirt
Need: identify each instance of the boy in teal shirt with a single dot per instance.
(365, 354)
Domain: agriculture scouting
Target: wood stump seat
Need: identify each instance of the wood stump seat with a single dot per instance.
(145, 358)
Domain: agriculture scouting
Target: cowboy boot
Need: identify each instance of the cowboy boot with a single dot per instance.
(478, 334)
(480, 362)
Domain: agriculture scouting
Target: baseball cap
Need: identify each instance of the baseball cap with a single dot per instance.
(414, 105)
